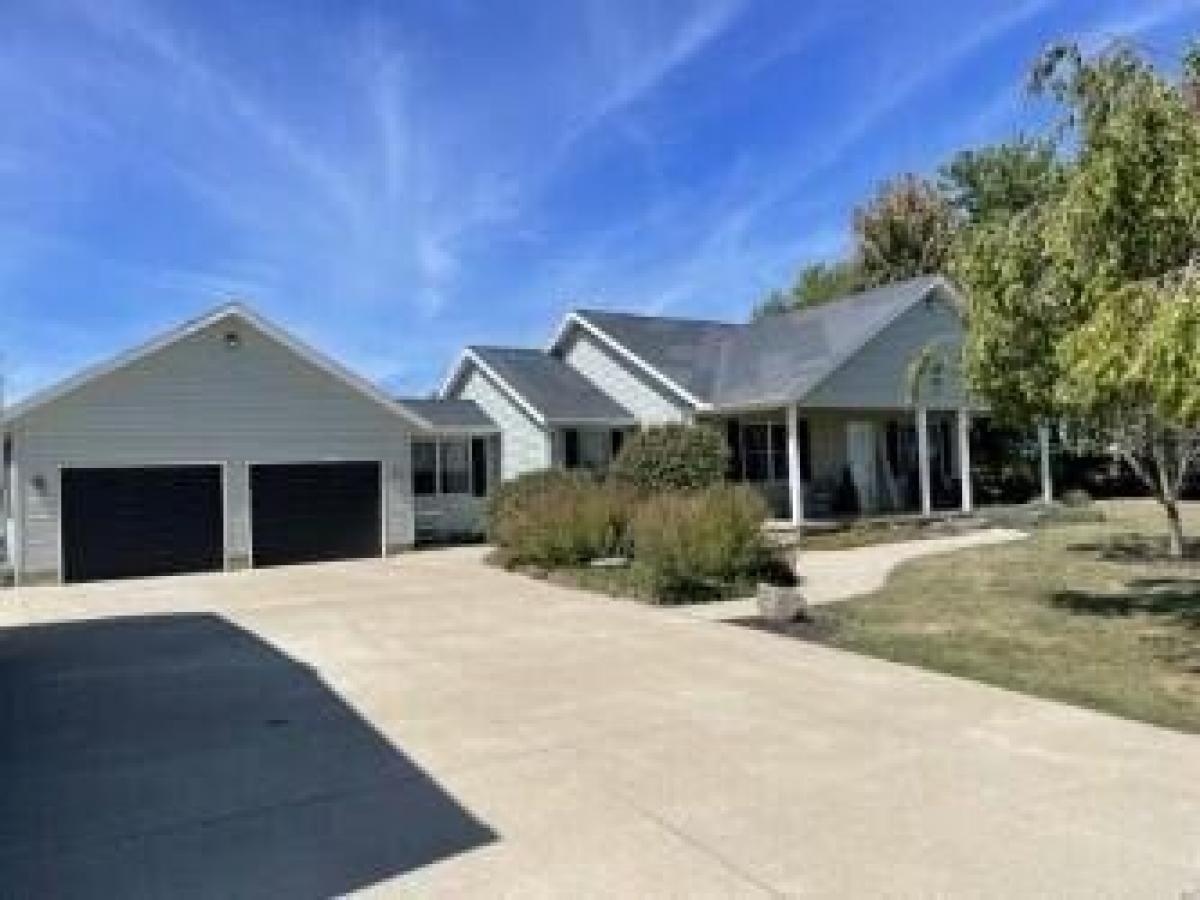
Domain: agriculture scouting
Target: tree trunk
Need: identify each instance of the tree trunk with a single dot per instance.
(1174, 528)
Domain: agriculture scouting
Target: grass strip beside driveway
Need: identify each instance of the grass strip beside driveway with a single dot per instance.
(1085, 613)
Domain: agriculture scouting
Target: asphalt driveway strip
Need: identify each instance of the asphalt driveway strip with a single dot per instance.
(428, 725)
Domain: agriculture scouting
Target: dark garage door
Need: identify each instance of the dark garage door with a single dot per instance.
(156, 520)
(314, 511)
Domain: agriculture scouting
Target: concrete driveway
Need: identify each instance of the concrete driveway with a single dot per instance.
(428, 726)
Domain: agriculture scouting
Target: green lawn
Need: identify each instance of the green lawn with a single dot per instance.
(1087, 613)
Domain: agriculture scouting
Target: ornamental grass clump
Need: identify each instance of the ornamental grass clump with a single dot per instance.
(695, 545)
(553, 519)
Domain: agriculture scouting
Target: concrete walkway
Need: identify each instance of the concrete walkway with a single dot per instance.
(430, 727)
(833, 575)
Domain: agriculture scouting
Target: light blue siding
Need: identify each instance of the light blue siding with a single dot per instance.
(877, 376)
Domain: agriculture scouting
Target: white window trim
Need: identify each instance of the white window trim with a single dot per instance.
(437, 441)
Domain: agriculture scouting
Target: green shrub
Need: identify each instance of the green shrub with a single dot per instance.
(672, 457)
(554, 518)
(693, 544)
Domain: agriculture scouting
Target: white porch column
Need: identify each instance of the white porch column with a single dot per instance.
(923, 460)
(795, 482)
(964, 457)
(1044, 452)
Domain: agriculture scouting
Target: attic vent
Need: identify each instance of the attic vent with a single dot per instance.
(232, 339)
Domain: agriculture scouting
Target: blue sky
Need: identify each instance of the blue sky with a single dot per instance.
(393, 180)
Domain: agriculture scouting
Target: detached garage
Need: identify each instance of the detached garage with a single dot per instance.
(223, 444)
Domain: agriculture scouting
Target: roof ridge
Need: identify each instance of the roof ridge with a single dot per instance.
(929, 282)
(589, 311)
(864, 320)
(536, 350)
(164, 340)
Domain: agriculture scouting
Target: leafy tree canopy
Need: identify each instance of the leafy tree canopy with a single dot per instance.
(993, 183)
(905, 230)
(1084, 303)
(816, 283)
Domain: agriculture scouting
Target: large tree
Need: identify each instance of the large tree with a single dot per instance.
(1084, 303)
(991, 184)
(905, 230)
(816, 283)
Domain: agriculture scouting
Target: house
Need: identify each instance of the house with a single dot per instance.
(228, 443)
(821, 407)
(551, 413)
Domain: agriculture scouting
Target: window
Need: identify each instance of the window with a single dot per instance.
(424, 468)
(571, 448)
(733, 438)
(805, 450)
(456, 471)
(616, 442)
(779, 451)
(947, 454)
(893, 448)
(756, 447)
(479, 466)
(593, 449)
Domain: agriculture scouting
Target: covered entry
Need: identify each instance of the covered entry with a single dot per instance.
(150, 520)
(310, 512)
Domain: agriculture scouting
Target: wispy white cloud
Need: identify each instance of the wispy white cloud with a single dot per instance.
(371, 201)
(728, 249)
(1135, 20)
(1012, 103)
(875, 110)
(404, 177)
(635, 60)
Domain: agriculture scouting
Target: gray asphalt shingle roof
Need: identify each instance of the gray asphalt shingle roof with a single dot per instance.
(777, 358)
(688, 351)
(457, 414)
(550, 386)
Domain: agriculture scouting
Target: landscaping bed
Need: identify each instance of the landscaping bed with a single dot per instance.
(873, 532)
(662, 526)
(1088, 612)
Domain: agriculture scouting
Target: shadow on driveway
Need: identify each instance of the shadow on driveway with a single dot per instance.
(182, 756)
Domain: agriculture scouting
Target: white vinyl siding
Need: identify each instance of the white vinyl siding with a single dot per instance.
(877, 376)
(525, 445)
(650, 402)
(200, 401)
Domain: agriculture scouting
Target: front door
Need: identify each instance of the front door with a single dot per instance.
(860, 452)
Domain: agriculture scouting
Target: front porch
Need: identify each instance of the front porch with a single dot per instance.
(823, 465)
